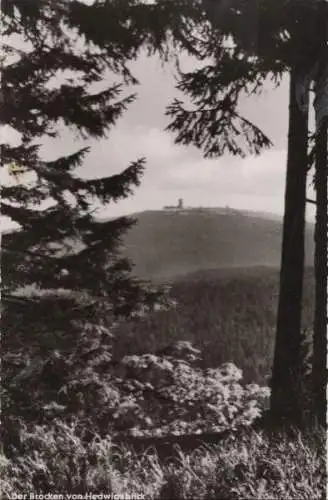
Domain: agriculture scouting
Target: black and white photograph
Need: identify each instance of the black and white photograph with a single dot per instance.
(164, 261)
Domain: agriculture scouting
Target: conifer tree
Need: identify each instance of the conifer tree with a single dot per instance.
(65, 281)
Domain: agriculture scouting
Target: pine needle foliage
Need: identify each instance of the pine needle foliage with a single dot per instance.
(65, 282)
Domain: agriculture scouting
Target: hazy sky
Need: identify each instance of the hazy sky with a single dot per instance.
(177, 171)
(254, 183)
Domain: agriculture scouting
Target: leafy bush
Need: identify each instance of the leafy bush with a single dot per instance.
(151, 394)
(88, 398)
(169, 393)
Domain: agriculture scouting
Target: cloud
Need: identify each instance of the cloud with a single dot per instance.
(173, 166)
(173, 171)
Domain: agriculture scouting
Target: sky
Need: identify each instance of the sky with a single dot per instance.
(172, 171)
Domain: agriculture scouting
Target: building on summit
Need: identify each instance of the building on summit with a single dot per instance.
(179, 206)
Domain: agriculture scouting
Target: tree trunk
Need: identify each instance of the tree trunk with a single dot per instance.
(319, 371)
(319, 367)
(286, 398)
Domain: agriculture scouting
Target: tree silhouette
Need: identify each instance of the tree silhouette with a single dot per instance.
(65, 281)
(321, 270)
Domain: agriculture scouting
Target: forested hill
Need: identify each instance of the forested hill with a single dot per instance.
(165, 244)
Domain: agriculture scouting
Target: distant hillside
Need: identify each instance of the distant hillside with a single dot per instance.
(166, 244)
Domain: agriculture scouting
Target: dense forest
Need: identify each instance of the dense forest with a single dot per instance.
(228, 314)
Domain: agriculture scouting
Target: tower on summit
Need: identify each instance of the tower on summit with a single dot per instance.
(179, 206)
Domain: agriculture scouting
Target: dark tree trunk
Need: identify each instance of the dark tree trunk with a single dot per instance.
(286, 398)
(319, 367)
(319, 370)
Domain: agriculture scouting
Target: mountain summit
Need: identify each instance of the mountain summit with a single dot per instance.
(165, 244)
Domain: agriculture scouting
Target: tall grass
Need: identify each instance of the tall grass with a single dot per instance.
(256, 466)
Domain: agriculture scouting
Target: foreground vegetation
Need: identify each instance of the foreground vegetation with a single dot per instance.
(85, 435)
(256, 466)
(161, 384)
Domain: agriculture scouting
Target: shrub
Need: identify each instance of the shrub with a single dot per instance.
(170, 394)
(154, 394)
